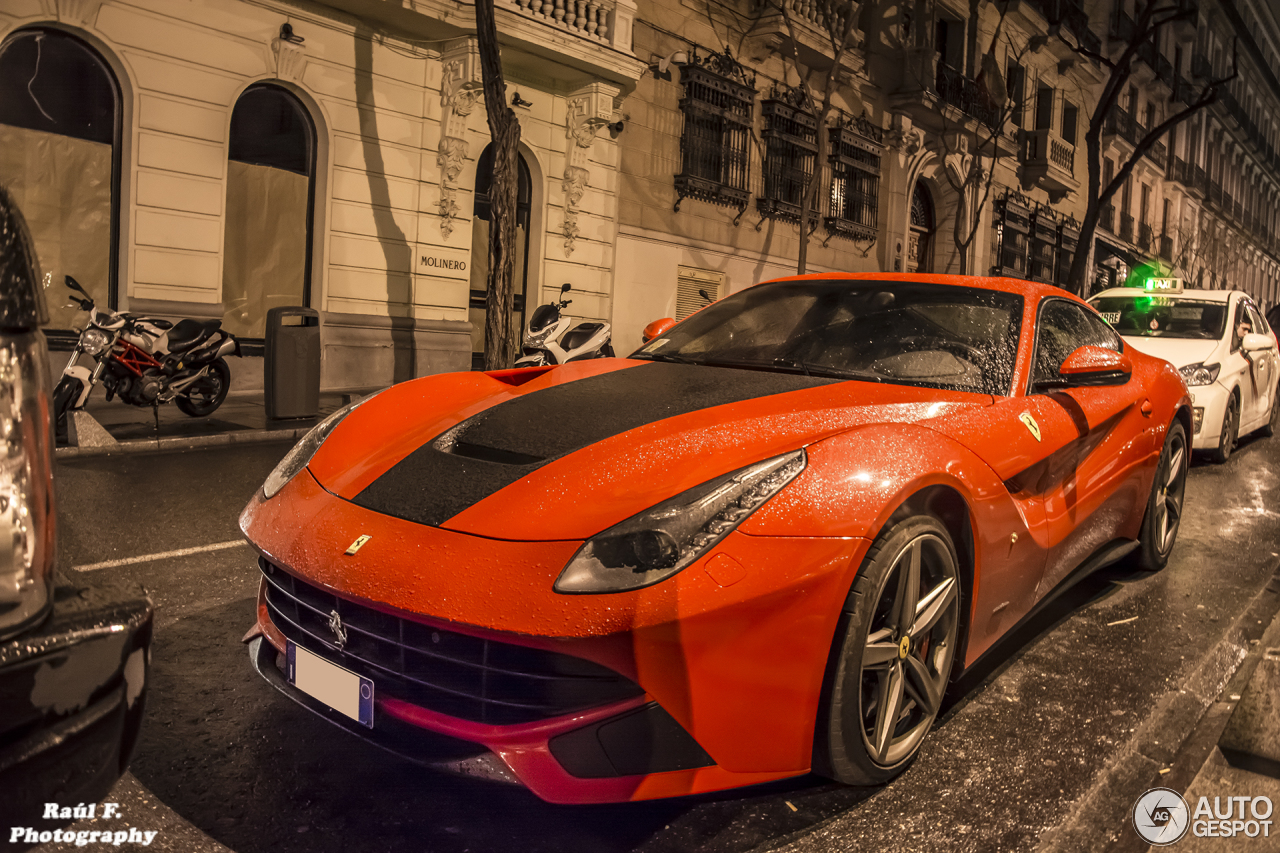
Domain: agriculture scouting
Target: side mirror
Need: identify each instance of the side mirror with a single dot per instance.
(565, 288)
(1093, 366)
(74, 285)
(1255, 341)
(656, 329)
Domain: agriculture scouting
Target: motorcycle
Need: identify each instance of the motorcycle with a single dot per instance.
(549, 340)
(145, 361)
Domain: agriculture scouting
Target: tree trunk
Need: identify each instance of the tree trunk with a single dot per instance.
(1080, 263)
(499, 339)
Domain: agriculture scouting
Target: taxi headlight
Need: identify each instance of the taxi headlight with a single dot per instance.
(94, 341)
(663, 540)
(1200, 374)
(297, 458)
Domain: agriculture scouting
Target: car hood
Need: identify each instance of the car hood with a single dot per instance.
(1177, 351)
(566, 452)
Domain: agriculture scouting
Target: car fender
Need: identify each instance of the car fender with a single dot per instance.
(856, 481)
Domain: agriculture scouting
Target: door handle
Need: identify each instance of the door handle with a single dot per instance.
(1146, 408)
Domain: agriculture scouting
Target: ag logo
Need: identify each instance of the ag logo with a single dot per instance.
(1030, 423)
(1161, 816)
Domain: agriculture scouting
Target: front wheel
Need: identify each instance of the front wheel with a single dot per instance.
(894, 650)
(64, 398)
(1164, 506)
(206, 394)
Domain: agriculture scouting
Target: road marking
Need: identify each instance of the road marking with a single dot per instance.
(151, 558)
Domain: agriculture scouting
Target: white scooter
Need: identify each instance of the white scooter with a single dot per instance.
(549, 340)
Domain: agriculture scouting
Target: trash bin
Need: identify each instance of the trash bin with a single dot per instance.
(291, 369)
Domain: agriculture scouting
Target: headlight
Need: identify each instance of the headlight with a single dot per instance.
(94, 341)
(26, 524)
(659, 542)
(538, 338)
(1200, 374)
(297, 458)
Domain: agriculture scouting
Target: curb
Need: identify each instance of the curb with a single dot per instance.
(1104, 810)
(155, 445)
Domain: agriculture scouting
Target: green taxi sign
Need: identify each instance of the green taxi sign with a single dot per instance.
(1163, 285)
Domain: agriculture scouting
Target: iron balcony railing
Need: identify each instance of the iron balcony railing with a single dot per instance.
(966, 95)
(1107, 217)
(1166, 247)
(1145, 236)
(1126, 227)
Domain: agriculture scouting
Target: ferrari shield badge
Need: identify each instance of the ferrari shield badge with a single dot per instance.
(1027, 421)
(360, 540)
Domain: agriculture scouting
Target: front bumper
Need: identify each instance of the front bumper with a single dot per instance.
(729, 666)
(1209, 405)
(71, 700)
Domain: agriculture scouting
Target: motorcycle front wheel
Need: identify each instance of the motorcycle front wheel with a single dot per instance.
(64, 397)
(206, 394)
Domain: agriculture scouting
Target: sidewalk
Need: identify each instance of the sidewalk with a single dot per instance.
(241, 418)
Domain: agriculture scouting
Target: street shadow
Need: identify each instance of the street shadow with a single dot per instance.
(395, 244)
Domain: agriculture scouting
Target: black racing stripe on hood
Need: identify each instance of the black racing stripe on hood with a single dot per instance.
(500, 445)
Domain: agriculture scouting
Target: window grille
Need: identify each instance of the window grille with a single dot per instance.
(719, 98)
(1044, 245)
(1013, 222)
(791, 149)
(854, 204)
(1068, 241)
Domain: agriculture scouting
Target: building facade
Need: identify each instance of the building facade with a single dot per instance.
(218, 158)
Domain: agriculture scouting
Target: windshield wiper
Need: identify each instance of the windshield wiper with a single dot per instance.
(668, 357)
(810, 368)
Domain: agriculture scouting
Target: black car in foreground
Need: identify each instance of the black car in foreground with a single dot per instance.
(73, 655)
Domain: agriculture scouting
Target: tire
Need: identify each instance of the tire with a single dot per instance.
(1164, 506)
(1273, 423)
(1230, 432)
(65, 394)
(878, 667)
(204, 396)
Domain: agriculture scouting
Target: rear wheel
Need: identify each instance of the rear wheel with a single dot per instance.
(206, 394)
(1164, 506)
(1230, 431)
(894, 651)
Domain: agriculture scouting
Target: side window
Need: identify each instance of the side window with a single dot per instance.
(1240, 327)
(1063, 328)
(1256, 322)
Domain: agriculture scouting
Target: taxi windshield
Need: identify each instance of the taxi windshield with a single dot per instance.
(1163, 316)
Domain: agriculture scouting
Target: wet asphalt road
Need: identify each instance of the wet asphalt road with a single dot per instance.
(226, 761)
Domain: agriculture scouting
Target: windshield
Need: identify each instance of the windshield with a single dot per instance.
(902, 332)
(1163, 316)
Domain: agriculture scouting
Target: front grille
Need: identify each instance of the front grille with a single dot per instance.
(456, 674)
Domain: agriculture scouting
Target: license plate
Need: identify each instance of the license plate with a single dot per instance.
(341, 689)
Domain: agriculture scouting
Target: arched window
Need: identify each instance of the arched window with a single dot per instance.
(60, 158)
(920, 240)
(270, 204)
(480, 250)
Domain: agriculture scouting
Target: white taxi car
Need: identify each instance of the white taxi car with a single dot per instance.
(1220, 343)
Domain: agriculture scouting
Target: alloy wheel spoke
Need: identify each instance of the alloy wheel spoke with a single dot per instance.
(888, 707)
(1175, 467)
(920, 685)
(931, 608)
(908, 597)
(880, 649)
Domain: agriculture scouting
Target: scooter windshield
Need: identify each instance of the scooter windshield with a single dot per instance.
(543, 317)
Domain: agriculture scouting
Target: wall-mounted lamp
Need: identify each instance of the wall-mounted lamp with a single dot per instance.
(287, 34)
(617, 127)
(517, 101)
(661, 67)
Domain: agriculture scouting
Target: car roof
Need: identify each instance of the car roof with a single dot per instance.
(1203, 295)
(1030, 289)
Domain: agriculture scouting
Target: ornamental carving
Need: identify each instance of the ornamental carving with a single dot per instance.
(290, 60)
(460, 88)
(80, 13)
(587, 110)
